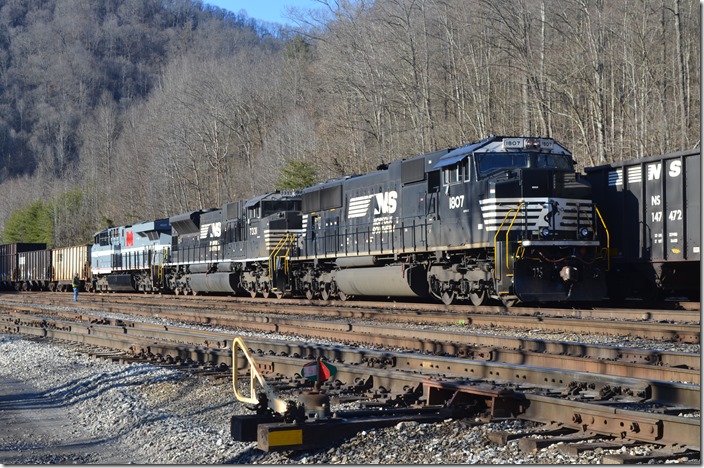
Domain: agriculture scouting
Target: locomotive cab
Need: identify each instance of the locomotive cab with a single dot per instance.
(546, 229)
(516, 223)
(273, 226)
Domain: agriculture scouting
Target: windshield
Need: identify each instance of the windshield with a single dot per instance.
(554, 161)
(492, 162)
(488, 163)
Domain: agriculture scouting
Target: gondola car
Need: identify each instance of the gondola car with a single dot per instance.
(653, 209)
(66, 262)
(34, 270)
(33, 267)
(15, 269)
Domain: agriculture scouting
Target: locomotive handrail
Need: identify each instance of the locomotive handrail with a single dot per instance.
(164, 253)
(608, 239)
(509, 229)
(287, 239)
(498, 231)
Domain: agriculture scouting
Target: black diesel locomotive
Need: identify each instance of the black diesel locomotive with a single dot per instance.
(505, 218)
(243, 247)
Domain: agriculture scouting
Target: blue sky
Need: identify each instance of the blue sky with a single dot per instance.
(265, 10)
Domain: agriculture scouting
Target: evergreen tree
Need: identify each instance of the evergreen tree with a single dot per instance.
(30, 224)
(297, 174)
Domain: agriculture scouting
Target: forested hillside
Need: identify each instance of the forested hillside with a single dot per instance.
(115, 111)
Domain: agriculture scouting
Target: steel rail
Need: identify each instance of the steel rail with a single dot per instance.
(647, 427)
(427, 312)
(446, 339)
(569, 356)
(652, 428)
(521, 373)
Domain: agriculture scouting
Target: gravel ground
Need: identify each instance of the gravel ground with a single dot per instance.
(83, 410)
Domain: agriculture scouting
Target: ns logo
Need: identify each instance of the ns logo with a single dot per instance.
(674, 169)
(385, 202)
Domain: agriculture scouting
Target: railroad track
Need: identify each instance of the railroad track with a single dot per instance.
(602, 359)
(669, 325)
(578, 390)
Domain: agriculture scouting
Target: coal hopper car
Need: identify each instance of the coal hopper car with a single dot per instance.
(653, 208)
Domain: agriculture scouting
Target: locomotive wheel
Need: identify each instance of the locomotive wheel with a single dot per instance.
(265, 294)
(253, 293)
(343, 296)
(509, 302)
(279, 294)
(448, 297)
(478, 297)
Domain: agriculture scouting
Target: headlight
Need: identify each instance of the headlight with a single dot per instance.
(545, 232)
(584, 232)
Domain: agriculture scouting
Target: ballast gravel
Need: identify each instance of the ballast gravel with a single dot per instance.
(93, 411)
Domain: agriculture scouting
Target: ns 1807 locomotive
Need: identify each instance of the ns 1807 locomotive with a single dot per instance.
(505, 218)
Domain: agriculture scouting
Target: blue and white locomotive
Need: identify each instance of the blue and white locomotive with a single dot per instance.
(131, 258)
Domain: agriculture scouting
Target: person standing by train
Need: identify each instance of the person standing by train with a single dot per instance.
(76, 285)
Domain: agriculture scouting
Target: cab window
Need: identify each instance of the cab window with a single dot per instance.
(554, 161)
(457, 173)
(277, 206)
(489, 163)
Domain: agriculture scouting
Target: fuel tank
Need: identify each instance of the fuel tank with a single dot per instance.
(122, 282)
(214, 282)
(390, 280)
